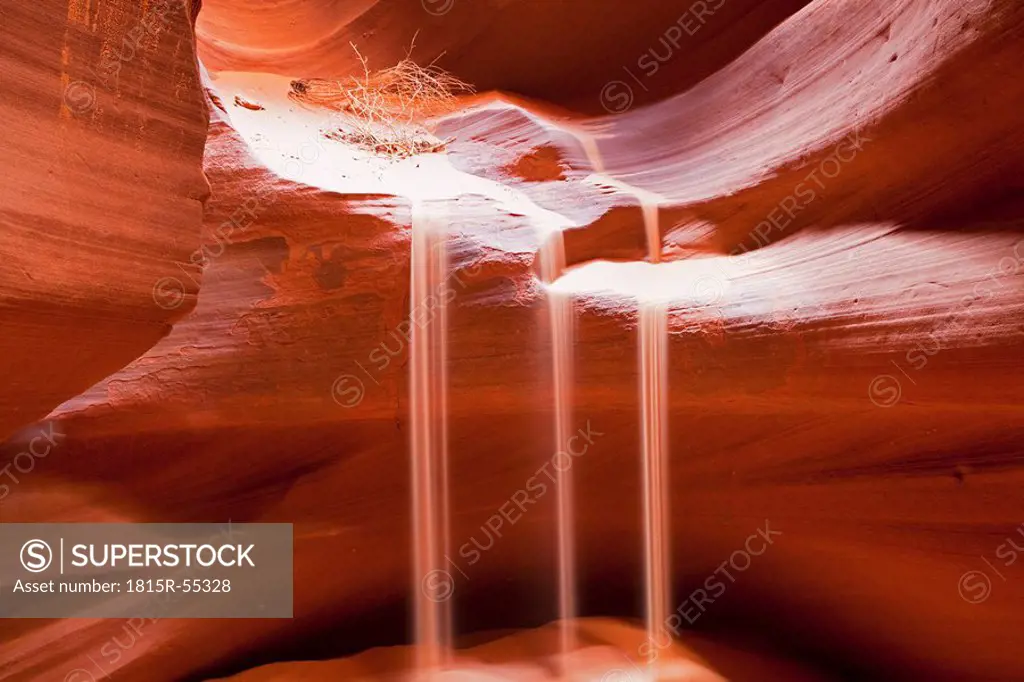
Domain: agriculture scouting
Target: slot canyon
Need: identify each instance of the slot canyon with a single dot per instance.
(667, 340)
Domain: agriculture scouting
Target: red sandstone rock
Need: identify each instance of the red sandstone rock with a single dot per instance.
(853, 382)
(566, 52)
(101, 199)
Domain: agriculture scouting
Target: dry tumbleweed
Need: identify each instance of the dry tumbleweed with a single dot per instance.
(383, 111)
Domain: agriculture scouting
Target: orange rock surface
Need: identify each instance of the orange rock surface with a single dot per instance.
(838, 193)
(101, 199)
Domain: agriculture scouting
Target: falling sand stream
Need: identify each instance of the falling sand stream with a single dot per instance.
(429, 440)
(429, 445)
(653, 344)
(560, 307)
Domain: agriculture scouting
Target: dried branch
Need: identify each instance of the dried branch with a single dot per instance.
(385, 110)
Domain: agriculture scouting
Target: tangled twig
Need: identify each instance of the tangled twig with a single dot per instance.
(384, 110)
